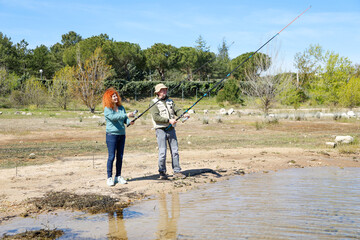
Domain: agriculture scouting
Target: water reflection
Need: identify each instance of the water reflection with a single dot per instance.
(167, 227)
(117, 228)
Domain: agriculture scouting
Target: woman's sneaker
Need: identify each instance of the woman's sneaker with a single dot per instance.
(120, 180)
(110, 182)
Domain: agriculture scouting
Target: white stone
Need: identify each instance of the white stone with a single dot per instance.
(32, 156)
(351, 114)
(331, 144)
(344, 139)
(223, 111)
(344, 115)
(231, 111)
(206, 111)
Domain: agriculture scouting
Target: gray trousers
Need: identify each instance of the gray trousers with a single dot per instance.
(163, 137)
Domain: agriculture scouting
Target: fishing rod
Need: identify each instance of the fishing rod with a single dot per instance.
(217, 84)
(196, 70)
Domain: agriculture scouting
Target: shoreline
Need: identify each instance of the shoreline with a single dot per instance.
(87, 174)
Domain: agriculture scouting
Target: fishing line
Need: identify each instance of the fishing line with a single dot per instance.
(217, 84)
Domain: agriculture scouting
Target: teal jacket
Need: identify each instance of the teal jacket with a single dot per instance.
(115, 121)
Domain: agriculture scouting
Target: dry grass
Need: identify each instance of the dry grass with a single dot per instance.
(63, 135)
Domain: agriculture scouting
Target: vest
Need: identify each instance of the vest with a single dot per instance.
(166, 110)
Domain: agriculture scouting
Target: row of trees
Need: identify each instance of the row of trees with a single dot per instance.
(82, 68)
(129, 62)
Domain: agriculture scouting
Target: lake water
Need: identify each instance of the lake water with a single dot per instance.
(311, 203)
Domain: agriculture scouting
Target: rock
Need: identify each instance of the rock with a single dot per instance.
(331, 144)
(32, 156)
(102, 122)
(344, 115)
(223, 111)
(351, 114)
(29, 114)
(17, 113)
(231, 111)
(191, 111)
(0, 113)
(344, 139)
(206, 111)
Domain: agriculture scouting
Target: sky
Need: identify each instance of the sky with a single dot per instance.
(244, 25)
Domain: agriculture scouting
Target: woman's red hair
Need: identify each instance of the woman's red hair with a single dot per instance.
(107, 98)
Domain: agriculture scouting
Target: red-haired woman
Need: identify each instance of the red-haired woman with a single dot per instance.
(116, 117)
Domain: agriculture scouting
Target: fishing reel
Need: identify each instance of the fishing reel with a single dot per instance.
(134, 112)
(184, 119)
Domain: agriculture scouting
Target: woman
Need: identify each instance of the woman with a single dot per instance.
(116, 117)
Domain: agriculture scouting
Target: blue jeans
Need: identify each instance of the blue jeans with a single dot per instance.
(115, 144)
(163, 137)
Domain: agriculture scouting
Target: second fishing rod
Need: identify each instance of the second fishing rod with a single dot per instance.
(218, 83)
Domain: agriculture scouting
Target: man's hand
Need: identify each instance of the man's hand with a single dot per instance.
(172, 121)
(186, 115)
(130, 114)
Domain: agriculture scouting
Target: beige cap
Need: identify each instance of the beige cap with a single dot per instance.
(159, 86)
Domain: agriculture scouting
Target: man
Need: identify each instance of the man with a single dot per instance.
(164, 114)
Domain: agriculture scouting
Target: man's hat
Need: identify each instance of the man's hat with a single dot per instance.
(159, 86)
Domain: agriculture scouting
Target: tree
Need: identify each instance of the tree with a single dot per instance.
(322, 74)
(41, 58)
(34, 92)
(61, 88)
(308, 65)
(127, 59)
(222, 63)
(85, 47)
(187, 61)
(8, 56)
(70, 39)
(231, 92)
(251, 65)
(263, 80)
(89, 79)
(204, 59)
(23, 57)
(350, 93)
(161, 57)
(8, 82)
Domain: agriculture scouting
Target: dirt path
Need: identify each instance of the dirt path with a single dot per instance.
(82, 175)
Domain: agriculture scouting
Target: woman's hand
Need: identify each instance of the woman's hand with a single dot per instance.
(130, 114)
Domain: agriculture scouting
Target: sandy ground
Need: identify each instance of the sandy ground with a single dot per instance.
(87, 174)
